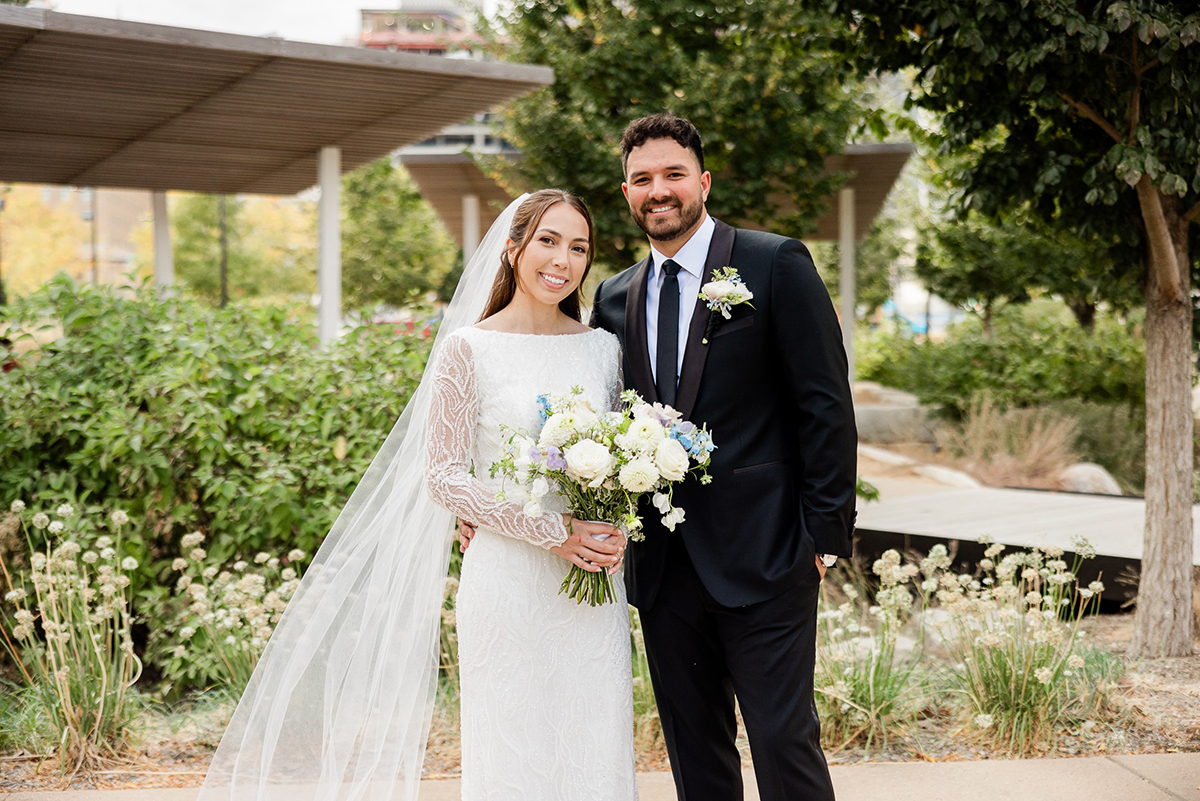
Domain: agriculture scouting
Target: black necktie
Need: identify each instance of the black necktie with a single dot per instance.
(667, 355)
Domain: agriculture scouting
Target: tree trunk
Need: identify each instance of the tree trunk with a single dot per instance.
(1163, 622)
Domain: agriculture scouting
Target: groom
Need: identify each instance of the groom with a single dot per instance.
(728, 600)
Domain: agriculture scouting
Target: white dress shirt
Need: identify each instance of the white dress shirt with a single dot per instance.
(690, 258)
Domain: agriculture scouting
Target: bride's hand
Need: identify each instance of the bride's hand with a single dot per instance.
(593, 555)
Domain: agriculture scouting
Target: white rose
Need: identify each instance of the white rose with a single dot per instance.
(719, 290)
(639, 475)
(742, 293)
(588, 462)
(671, 460)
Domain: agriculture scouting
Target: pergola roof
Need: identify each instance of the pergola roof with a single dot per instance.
(444, 177)
(86, 101)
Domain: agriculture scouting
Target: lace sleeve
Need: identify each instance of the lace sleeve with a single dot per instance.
(451, 431)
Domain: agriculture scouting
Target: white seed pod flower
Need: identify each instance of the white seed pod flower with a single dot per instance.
(129, 563)
(261, 557)
(40, 520)
(118, 517)
(179, 651)
(209, 572)
(192, 540)
(104, 542)
(240, 565)
(38, 561)
(1075, 661)
(56, 527)
(197, 554)
(1044, 675)
(1096, 587)
(186, 633)
(231, 640)
(179, 564)
(288, 574)
(15, 595)
(984, 721)
(108, 553)
(90, 557)
(17, 506)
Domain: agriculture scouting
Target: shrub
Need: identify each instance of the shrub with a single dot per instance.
(866, 689)
(82, 666)
(1012, 632)
(1012, 447)
(228, 421)
(1032, 357)
(215, 626)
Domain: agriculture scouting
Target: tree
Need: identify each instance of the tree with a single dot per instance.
(1086, 110)
(980, 263)
(394, 248)
(40, 239)
(759, 81)
(875, 258)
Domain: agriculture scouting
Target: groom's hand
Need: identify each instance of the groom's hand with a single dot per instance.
(465, 532)
(821, 567)
(584, 551)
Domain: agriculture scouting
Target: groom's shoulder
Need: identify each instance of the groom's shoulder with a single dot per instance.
(759, 243)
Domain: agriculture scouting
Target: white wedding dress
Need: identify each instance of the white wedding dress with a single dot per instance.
(547, 703)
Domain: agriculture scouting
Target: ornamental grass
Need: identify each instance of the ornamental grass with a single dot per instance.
(67, 626)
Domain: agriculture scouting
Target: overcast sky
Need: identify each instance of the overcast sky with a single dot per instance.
(323, 21)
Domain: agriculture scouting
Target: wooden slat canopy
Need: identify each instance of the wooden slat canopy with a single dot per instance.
(86, 101)
(444, 177)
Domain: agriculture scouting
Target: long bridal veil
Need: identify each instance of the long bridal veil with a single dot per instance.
(339, 705)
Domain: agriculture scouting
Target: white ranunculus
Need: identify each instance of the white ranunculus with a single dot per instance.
(719, 290)
(662, 502)
(588, 462)
(639, 475)
(671, 459)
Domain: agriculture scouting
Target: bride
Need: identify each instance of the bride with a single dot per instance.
(339, 705)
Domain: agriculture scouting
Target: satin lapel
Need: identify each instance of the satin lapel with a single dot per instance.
(719, 251)
(635, 328)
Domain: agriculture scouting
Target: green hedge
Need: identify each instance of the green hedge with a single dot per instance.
(230, 421)
(1035, 356)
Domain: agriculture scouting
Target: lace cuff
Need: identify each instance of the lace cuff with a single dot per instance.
(451, 432)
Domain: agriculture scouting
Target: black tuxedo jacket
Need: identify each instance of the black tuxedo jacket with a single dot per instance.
(772, 386)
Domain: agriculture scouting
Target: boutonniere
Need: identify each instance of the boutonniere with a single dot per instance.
(726, 290)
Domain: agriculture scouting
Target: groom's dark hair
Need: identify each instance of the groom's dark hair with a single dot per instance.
(661, 126)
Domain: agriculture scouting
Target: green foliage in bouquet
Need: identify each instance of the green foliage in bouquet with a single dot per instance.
(228, 421)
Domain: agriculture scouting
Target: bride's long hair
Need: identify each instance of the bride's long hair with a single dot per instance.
(525, 221)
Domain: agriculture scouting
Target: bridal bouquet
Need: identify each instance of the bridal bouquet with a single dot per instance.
(602, 463)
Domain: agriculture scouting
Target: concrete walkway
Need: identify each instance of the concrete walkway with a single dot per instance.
(1144, 777)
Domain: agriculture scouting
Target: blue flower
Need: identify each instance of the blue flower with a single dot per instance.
(543, 407)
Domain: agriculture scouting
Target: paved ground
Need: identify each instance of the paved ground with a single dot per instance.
(1145, 777)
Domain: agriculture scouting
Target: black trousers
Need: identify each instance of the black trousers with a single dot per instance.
(702, 654)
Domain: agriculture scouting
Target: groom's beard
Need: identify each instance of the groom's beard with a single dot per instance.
(666, 230)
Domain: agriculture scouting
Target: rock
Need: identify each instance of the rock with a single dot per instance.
(948, 476)
(885, 457)
(1090, 478)
(883, 414)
